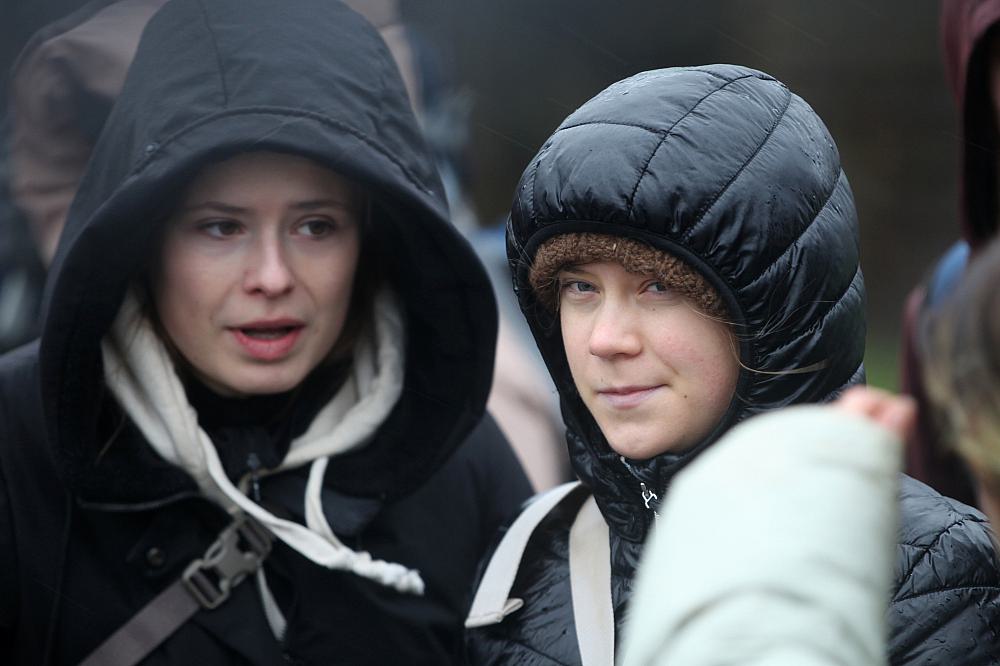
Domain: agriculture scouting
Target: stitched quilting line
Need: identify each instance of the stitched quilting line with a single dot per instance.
(805, 230)
(930, 546)
(953, 590)
(834, 303)
(653, 130)
(531, 194)
(943, 590)
(666, 135)
(718, 195)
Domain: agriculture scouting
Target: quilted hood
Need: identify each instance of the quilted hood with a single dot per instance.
(725, 168)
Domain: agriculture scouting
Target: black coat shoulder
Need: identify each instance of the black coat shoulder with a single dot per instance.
(8, 570)
(19, 385)
(21, 432)
(946, 607)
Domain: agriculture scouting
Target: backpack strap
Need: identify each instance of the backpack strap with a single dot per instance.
(492, 602)
(590, 586)
(589, 574)
(206, 583)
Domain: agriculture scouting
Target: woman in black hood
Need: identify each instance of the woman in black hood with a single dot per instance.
(685, 250)
(265, 356)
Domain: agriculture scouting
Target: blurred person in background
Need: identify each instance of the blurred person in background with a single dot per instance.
(969, 32)
(959, 344)
(522, 398)
(63, 87)
(265, 358)
(685, 248)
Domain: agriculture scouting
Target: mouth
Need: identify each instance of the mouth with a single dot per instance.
(627, 397)
(267, 333)
(268, 340)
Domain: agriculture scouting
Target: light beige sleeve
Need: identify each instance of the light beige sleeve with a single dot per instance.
(774, 548)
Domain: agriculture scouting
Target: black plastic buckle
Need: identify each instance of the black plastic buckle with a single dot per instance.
(238, 552)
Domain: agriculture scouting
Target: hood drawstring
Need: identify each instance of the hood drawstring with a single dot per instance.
(253, 464)
(140, 373)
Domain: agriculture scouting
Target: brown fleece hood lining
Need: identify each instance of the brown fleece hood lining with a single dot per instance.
(635, 256)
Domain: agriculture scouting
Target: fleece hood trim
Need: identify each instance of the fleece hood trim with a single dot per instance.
(141, 374)
(206, 83)
(727, 169)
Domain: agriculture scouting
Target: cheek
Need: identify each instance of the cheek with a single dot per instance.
(719, 366)
(574, 337)
(331, 282)
(184, 288)
(703, 350)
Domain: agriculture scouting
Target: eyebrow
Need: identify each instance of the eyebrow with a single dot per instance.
(313, 204)
(574, 270)
(230, 209)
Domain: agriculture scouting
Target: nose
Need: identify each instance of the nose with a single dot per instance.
(614, 332)
(269, 271)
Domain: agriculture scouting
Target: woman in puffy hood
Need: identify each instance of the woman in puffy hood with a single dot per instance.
(685, 250)
(265, 357)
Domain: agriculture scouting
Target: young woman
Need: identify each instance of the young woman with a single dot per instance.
(252, 432)
(685, 249)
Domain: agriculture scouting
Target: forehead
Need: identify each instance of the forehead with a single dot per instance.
(261, 178)
(606, 269)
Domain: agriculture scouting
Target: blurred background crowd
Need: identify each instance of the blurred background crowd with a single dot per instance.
(495, 79)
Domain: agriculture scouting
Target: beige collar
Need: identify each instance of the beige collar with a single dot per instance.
(140, 373)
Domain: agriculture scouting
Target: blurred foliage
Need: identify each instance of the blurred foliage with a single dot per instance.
(882, 362)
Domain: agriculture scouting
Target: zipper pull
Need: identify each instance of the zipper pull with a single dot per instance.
(253, 464)
(647, 495)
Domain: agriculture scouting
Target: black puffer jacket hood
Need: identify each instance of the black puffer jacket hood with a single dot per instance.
(727, 169)
(209, 81)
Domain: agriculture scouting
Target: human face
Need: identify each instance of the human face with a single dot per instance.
(656, 374)
(256, 271)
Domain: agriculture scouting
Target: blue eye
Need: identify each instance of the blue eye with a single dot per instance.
(577, 286)
(658, 287)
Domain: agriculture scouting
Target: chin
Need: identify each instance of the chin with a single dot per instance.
(263, 382)
(636, 448)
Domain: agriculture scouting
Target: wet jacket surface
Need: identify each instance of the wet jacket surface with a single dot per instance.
(93, 523)
(727, 169)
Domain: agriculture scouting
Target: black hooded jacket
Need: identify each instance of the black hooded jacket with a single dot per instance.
(727, 169)
(93, 523)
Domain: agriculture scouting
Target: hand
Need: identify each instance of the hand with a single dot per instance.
(898, 413)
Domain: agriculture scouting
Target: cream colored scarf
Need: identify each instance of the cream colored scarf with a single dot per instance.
(140, 373)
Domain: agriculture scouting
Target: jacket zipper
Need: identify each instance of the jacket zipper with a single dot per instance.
(253, 465)
(645, 492)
